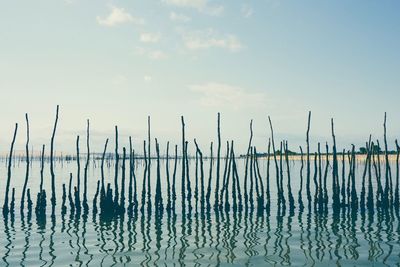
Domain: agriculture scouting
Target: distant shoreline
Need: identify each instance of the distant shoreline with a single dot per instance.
(110, 156)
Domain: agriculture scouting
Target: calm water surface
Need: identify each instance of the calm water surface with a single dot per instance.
(299, 239)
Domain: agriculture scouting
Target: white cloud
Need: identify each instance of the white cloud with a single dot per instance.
(151, 54)
(187, 3)
(247, 11)
(119, 79)
(220, 95)
(118, 16)
(202, 6)
(209, 38)
(147, 78)
(148, 37)
(178, 17)
(157, 54)
(213, 10)
(139, 51)
(69, 2)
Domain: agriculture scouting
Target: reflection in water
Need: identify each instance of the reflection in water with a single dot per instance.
(204, 239)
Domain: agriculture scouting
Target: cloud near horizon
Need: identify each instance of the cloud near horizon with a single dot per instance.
(205, 39)
(148, 37)
(214, 94)
(118, 16)
(154, 54)
(202, 6)
(179, 17)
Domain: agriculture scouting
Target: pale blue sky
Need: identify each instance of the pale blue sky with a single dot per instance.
(116, 62)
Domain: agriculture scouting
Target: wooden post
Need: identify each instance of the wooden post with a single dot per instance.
(308, 160)
(208, 195)
(221, 194)
(116, 196)
(196, 187)
(70, 199)
(143, 198)
(388, 193)
(27, 164)
(189, 189)
(396, 192)
(122, 201)
(320, 184)
(135, 193)
(325, 192)
(85, 204)
(237, 179)
(226, 185)
(168, 180)
(158, 195)
(78, 186)
(316, 185)
(335, 173)
(10, 157)
(251, 189)
(53, 177)
(64, 198)
(148, 165)
(289, 187)
(202, 204)
(363, 192)
(268, 193)
(300, 197)
(96, 195)
(246, 196)
(354, 198)
(174, 179)
(275, 160)
(261, 196)
(103, 193)
(282, 194)
(218, 162)
(183, 193)
(130, 187)
(41, 168)
(370, 197)
(343, 187)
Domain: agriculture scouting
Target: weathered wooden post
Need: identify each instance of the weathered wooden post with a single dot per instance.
(78, 176)
(10, 158)
(158, 195)
(53, 176)
(308, 161)
(27, 165)
(218, 162)
(85, 204)
(116, 196)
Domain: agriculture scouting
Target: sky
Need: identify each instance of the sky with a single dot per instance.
(117, 62)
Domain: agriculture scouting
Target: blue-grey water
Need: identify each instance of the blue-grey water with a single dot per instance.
(224, 239)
